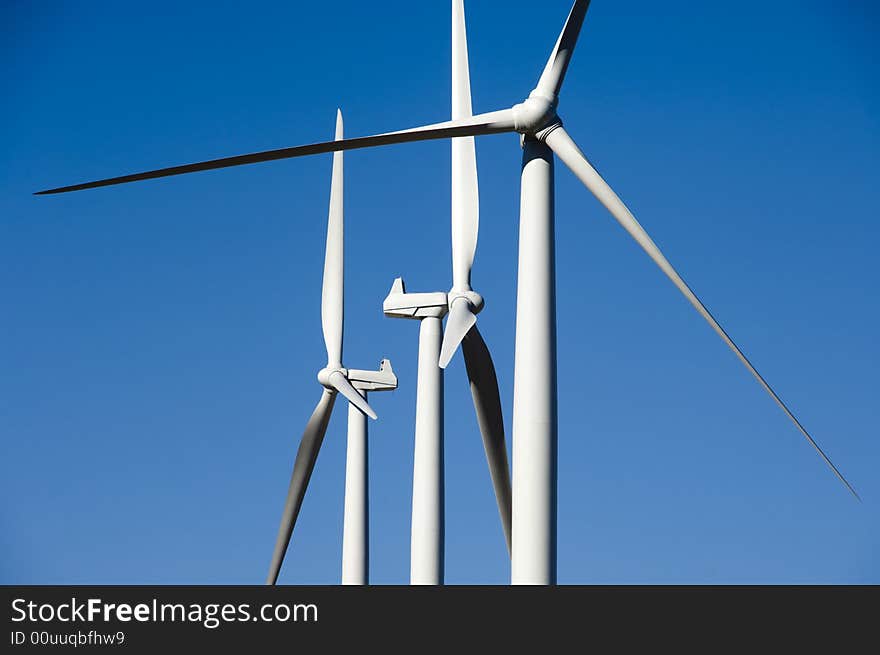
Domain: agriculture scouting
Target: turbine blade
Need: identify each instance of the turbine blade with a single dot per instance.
(309, 446)
(487, 403)
(465, 197)
(566, 149)
(343, 386)
(332, 291)
(550, 82)
(491, 123)
(459, 321)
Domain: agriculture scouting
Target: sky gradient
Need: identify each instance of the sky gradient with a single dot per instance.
(159, 341)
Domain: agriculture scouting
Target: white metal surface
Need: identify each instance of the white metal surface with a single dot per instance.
(427, 544)
(356, 517)
(533, 557)
(332, 312)
(465, 196)
(353, 385)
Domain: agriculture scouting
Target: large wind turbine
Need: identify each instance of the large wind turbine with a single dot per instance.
(353, 384)
(534, 419)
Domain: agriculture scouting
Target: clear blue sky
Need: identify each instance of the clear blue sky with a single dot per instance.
(159, 341)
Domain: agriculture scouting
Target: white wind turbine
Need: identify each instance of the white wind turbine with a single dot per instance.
(426, 548)
(534, 415)
(354, 385)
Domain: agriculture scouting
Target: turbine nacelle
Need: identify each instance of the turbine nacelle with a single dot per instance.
(400, 304)
(382, 380)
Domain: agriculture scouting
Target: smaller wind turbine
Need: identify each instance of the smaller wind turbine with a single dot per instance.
(336, 379)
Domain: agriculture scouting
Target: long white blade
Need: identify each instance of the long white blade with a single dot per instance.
(551, 79)
(306, 455)
(465, 194)
(566, 149)
(495, 122)
(465, 199)
(487, 404)
(332, 292)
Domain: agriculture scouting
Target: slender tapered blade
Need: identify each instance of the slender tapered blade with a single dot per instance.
(553, 76)
(465, 196)
(487, 403)
(566, 149)
(332, 291)
(491, 123)
(306, 455)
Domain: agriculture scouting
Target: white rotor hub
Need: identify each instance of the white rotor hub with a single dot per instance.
(325, 376)
(472, 298)
(533, 114)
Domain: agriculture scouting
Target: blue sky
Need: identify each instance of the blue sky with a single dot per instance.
(159, 341)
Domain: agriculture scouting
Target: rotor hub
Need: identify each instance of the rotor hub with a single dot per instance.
(472, 298)
(534, 114)
(325, 374)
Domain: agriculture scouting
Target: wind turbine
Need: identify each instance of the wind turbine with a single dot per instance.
(534, 415)
(354, 385)
(426, 548)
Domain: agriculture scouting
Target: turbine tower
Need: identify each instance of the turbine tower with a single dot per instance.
(352, 384)
(427, 529)
(534, 420)
(356, 517)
